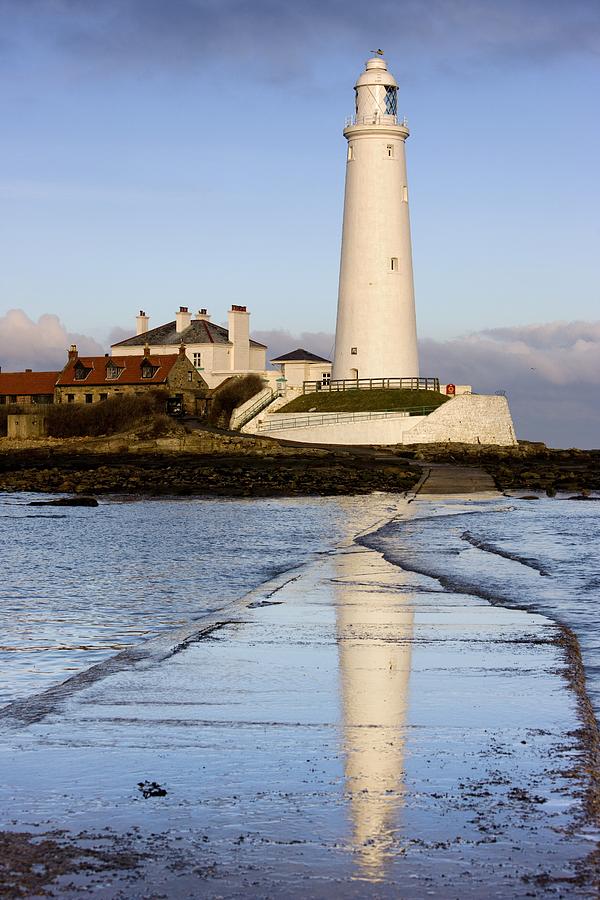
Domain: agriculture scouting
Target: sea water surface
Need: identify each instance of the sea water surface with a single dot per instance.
(80, 584)
(542, 555)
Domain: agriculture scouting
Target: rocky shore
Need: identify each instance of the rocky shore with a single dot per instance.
(159, 474)
(217, 463)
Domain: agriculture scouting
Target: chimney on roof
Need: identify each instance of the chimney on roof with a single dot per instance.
(73, 354)
(182, 349)
(142, 321)
(239, 335)
(146, 350)
(202, 315)
(182, 319)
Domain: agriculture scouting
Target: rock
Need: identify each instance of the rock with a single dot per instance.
(528, 497)
(66, 501)
(151, 789)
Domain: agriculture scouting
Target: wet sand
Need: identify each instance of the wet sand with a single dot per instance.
(350, 730)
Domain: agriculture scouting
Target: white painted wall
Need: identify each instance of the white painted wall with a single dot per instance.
(239, 412)
(238, 321)
(376, 305)
(360, 431)
(467, 419)
(296, 372)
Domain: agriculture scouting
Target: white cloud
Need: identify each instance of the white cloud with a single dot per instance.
(40, 345)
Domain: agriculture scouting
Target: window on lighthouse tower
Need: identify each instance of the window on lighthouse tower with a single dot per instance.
(391, 101)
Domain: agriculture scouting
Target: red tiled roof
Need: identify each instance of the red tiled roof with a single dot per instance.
(26, 384)
(131, 370)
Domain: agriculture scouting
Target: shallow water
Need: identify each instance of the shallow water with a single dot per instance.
(541, 555)
(81, 584)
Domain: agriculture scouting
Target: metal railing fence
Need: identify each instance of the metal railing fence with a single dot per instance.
(372, 384)
(254, 410)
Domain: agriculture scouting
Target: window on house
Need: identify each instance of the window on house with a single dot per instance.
(326, 377)
(190, 376)
(104, 396)
(391, 101)
(89, 398)
(2, 399)
(404, 194)
(70, 398)
(13, 398)
(394, 263)
(350, 152)
(81, 372)
(148, 371)
(390, 150)
(198, 360)
(113, 372)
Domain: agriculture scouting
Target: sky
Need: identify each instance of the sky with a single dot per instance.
(158, 153)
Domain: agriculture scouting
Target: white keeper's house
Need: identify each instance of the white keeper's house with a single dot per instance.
(300, 366)
(216, 352)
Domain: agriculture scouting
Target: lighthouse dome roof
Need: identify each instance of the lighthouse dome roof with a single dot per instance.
(376, 72)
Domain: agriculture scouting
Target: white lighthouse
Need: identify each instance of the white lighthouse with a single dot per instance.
(376, 334)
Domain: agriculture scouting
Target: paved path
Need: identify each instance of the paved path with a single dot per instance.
(441, 479)
(350, 731)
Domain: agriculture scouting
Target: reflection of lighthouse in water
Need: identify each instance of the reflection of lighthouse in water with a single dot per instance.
(376, 334)
(374, 628)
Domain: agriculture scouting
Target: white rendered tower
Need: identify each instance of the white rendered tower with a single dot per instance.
(376, 335)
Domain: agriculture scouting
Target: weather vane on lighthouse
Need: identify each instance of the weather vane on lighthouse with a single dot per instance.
(378, 52)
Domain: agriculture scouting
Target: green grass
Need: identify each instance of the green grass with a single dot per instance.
(363, 401)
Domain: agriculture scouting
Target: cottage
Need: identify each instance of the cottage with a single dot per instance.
(89, 379)
(216, 352)
(27, 387)
(300, 366)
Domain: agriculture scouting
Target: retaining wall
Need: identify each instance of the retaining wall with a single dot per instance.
(466, 419)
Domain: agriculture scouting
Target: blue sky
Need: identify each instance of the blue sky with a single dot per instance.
(161, 153)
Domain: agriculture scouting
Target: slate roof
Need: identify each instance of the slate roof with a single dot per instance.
(131, 370)
(300, 356)
(27, 384)
(200, 331)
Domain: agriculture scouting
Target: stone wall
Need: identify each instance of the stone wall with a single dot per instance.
(25, 426)
(467, 419)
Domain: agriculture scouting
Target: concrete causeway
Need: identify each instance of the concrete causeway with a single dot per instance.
(351, 730)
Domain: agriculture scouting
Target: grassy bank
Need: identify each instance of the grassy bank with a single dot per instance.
(364, 401)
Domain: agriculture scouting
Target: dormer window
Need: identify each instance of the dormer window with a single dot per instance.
(80, 372)
(148, 370)
(113, 371)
